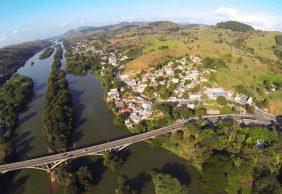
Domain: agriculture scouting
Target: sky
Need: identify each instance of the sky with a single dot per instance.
(25, 20)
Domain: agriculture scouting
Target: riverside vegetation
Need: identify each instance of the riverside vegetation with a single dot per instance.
(14, 96)
(58, 125)
(58, 112)
(47, 53)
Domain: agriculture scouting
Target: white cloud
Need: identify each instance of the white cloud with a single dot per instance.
(15, 31)
(64, 24)
(261, 21)
(2, 38)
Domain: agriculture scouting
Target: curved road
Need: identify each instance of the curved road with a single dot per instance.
(120, 143)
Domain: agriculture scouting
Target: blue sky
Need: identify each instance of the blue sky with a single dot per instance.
(24, 20)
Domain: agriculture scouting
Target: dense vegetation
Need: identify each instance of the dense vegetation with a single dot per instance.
(14, 95)
(79, 64)
(123, 186)
(58, 113)
(235, 26)
(47, 53)
(75, 180)
(112, 160)
(12, 57)
(213, 63)
(278, 48)
(171, 113)
(278, 39)
(230, 157)
(166, 184)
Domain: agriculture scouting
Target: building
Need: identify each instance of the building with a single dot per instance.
(214, 93)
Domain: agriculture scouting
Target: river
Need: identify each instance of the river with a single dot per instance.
(94, 124)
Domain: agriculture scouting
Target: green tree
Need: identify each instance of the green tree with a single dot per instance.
(166, 184)
(164, 92)
(123, 186)
(221, 100)
(85, 178)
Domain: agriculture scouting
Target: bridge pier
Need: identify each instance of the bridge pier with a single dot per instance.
(52, 176)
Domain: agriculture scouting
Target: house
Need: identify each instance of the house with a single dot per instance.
(135, 118)
(175, 80)
(126, 110)
(118, 104)
(128, 123)
(168, 70)
(192, 106)
(140, 88)
(243, 99)
(214, 93)
(194, 97)
(123, 58)
(113, 94)
(195, 59)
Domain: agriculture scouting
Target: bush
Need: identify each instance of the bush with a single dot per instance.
(221, 100)
(213, 63)
(166, 184)
(226, 110)
(278, 39)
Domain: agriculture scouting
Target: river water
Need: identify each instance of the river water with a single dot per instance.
(94, 124)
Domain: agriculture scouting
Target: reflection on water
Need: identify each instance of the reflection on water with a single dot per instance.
(94, 123)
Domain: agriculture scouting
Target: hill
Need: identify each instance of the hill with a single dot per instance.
(251, 57)
(14, 56)
(235, 26)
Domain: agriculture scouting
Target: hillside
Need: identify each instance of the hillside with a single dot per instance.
(250, 56)
(14, 56)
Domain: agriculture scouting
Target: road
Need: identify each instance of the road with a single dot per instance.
(117, 144)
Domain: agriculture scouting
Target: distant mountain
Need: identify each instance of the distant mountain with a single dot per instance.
(235, 26)
(165, 24)
(87, 29)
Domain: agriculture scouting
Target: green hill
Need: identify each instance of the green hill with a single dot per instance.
(235, 26)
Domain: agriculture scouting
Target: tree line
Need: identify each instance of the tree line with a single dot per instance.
(58, 116)
(58, 125)
(14, 96)
(47, 53)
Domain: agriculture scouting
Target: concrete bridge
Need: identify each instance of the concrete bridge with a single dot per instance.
(48, 163)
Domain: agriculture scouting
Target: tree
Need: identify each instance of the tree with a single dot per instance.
(85, 178)
(123, 187)
(166, 184)
(149, 91)
(221, 100)
(164, 92)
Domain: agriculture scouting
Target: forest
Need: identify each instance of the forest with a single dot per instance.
(230, 157)
(14, 95)
(58, 117)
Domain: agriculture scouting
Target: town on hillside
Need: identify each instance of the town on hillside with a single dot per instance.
(183, 81)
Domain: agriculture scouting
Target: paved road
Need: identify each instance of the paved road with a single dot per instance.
(99, 149)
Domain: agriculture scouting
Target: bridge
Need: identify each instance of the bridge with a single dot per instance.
(48, 163)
